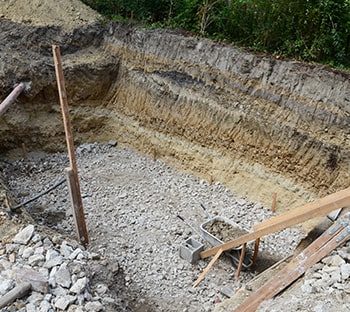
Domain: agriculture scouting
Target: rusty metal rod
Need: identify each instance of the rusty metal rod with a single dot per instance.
(11, 97)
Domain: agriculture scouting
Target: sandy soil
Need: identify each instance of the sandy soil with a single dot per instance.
(68, 14)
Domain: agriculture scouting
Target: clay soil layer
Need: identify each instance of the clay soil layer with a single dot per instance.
(256, 124)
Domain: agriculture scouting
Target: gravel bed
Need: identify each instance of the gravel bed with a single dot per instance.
(131, 204)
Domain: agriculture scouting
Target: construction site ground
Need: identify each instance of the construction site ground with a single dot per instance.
(164, 122)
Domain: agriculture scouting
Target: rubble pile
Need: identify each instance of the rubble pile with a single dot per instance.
(131, 204)
(58, 272)
(325, 287)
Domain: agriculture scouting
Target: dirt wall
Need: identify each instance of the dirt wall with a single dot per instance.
(255, 123)
(278, 124)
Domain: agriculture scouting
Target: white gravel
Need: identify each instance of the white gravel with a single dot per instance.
(131, 204)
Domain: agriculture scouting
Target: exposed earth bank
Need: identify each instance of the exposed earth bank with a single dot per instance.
(256, 124)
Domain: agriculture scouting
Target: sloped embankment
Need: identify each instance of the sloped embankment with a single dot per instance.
(253, 122)
(257, 124)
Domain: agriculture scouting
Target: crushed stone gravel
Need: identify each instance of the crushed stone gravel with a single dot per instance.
(131, 204)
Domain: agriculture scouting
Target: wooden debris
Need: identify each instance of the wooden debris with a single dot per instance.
(24, 151)
(274, 200)
(315, 209)
(328, 241)
(239, 268)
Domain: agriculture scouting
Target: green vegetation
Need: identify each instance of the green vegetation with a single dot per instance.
(308, 30)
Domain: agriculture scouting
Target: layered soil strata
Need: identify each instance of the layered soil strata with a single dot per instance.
(257, 124)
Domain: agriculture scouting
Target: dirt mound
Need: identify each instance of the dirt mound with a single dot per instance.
(68, 14)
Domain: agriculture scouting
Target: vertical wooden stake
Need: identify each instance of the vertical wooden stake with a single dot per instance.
(73, 181)
(274, 200)
(239, 268)
(74, 197)
(24, 150)
(256, 250)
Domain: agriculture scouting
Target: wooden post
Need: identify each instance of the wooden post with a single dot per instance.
(241, 259)
(256, 250)
(274, 200)
(24, 150)
(77, 205)
(74, 197)
(11, 98)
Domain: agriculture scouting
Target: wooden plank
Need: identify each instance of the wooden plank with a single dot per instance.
(297, 267)
(314, 209)
(317, 208)
(80, 227)
(202, 275)
(82, 234)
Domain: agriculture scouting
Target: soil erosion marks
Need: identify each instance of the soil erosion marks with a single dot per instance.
(256, 124)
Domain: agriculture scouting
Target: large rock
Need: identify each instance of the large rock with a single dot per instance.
(24, 236)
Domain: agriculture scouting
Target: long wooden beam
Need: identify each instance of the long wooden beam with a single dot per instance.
(318, 208)
(321, 247)
(72, 177)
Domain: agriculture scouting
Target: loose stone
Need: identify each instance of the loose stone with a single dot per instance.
(24, 236)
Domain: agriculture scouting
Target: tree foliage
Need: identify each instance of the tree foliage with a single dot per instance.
(310, 30)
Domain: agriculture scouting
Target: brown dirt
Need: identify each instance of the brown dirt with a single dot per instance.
(223, 230)
(256, 124)
(68, 14)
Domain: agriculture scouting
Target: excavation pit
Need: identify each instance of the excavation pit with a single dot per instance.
(232, 126)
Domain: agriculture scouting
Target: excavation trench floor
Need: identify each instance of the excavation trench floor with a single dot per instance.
(131, 204)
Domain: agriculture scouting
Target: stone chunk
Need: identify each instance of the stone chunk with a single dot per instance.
(35, 259)
(75, 253)
(23, 237)
(5, 285)
(94, 306)
(53, 258)
(335, 260)
(38, 281)
(66, 250)
(45, 306)
(79, 286)
(63, 302)
(62, 276)
(345, 271)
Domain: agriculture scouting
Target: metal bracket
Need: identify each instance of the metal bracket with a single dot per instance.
(340, 223)
(345, 234)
